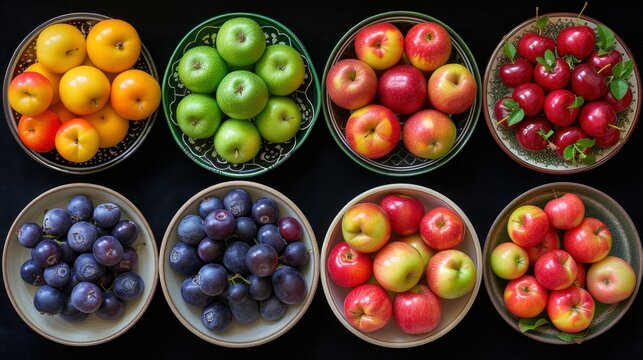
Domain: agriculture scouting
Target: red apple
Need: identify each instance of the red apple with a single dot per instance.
(417, 311)
(550, 241)
(348, 267)
(452, 88)
(588, 242)
(427, 45)
(404, 211)
(398, 266)
(402, 88)
(565, 212)
(524, 297)
(527, 225)
(30, 93)
(380, 45)
(368, 307)
(555, 269)
(451, 274)
(366, 227)
(611, 280)
(351, 84)
(509, 261)
(581, 276)
(429, 134)
(373, 131)
(38, 132)
(571, 309)
(442, 228)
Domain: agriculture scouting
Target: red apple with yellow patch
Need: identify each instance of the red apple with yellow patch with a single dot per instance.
(373, 131)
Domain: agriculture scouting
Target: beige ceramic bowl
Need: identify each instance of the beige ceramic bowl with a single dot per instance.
(453, 311)
(237, 335)
(92, 330)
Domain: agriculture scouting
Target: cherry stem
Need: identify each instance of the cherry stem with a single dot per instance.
(580, 13)
(617, 127)
(502, 120)
(539, 29)
(603, 68)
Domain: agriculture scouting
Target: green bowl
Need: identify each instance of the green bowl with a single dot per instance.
(25, 55)
(271, 155)
(400, 162)
(626, 244)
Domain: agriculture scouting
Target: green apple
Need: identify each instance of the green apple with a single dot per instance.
(279, 121)
(198, 115)
(242, 94)
(237, 141)
(509, 261)
(451, 274)
(201, 69)
(241, 41)
(282, 68)
(398, 266)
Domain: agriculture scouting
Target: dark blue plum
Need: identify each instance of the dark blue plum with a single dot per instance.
(67, 254)
(31, 273)
(213, 279)
(29, 234)
(209, 204)
(260, 288)
(87, 268)
(71, 314)
(246, 229)
(56, 222)
(289, 285)
(295, 254)
(191, 292)
(128, 285)
(112, 307)
(262, 259)
(46, 253)
(234, 257)
(128, 262)
(236, 292)
(81, 236)
(219, 224)
(265, 211)
(126, 231)
(238, 201)
(102, 231)
(57, 275)
(210, 250)
(86, 297)
(184, 259)
(269, 234)
(73, 281)
(80, 208)
(107, 250)
(49, 300)
(191, 229)
(107, 214)
(272, 309)
(245, 311)
(216, 316)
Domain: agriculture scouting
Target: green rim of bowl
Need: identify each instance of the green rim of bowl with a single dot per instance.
(601, 206)
(104, 158)
(546, 161)
(253, 168)
(419, 166)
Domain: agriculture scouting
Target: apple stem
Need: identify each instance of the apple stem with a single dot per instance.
(580, 13)
(555, 194)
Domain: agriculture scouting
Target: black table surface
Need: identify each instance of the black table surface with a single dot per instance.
(319, 177)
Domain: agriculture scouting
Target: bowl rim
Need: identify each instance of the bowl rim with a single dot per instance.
(478, 260)
(312, 288)
(315, 82)
(12, 122)
(474, 117)
(490, 122)
(144, 225)
(520, 199)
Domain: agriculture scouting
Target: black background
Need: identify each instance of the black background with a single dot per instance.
(158, 178)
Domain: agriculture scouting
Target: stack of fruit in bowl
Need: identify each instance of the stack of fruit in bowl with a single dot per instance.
(401, 85)
(561, 93)
(82, 92)
(240, 96)
(558, 262)
(400, 265)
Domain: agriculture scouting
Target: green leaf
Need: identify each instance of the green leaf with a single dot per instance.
(531, 324)
(576, 338)
(578, 101)
(550, 58)
(545, 135)
(542, 22)
(623, 69)
(569, 152)
(516, 117)
(509, 50)
(583, 144)
(542, 62)
(511, 104)
(589, 159)
(619, 88)
(605, 39)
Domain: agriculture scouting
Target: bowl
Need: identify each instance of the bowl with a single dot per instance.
(453, 311)
(92, 330)
(625, 244)
(400, 162)
(271, 154)
(25, 55)
(237, 335)
(549, 161)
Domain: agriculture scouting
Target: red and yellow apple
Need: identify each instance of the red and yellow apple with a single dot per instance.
(452, 88)
(527, 225)
(555, 269)
(451, 274)
(38, 132)
(524, 297)
(565, 212)
(611, 280)
(588, 242)
(77, 140)
(398, 266)
(135, 94)
(30, 93)
(368, 308)
(418, 243)
(429, 134)
(571, 309)
(417, 311)
(366, 227)
(348, 267)
(380, 45)
(442, 228)
(427, 45)
(550, 241)
(351, 84)
(373, 131)
(404, 211)
(509, 261)
(54, 79)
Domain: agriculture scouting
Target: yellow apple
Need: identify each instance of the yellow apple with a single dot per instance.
(60, 47)
(84, 89)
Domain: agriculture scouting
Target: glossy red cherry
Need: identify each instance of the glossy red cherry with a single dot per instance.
(515, 73)
(532, 45)
(503, 109)
(588, 83)
(610, 139)
(562, 107)
(605, 61)
(530, 97)
(619, 105)
(568, 135)
(531, 133)
(577, 41)
(552, 73)
(596, 118)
